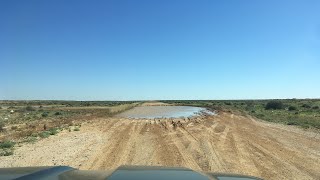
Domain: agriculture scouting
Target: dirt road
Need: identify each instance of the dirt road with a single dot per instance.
(222, 143)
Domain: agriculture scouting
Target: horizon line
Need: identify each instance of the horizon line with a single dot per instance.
(317, 98)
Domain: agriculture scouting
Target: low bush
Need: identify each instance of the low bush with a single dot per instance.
(292, 108)
(6, 148)
(30, 108)
(274, 105)
(53, 131)
(44, 134)
(7, 144)
(306, 106)
(57, 113)
(315, 107)
(45, 114)
(76, 129)
(292, 123)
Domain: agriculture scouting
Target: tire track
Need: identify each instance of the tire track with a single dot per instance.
(224, 143)
(109, 133)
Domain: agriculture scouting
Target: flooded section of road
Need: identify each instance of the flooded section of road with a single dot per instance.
(151, 112)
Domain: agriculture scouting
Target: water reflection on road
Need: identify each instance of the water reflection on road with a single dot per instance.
(151, 112)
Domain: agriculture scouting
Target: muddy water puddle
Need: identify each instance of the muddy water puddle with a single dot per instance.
(151, 112)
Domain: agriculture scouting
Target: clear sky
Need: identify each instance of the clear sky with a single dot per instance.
(161, 49)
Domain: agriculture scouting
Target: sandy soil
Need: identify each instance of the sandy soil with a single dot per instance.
(221, 143)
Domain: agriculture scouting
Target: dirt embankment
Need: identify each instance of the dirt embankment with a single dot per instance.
(222, 143)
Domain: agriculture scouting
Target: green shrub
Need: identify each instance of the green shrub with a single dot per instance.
(274, 105)
(7, 144)
(306, 106)
(57, 113)
(45, 114)
(292, 108)
(292, 123)
(53, 131)
(315, 107)
(44, 134)
(6, 148)
(30, 108)
(260, 115)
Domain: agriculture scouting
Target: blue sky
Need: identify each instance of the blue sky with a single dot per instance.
(162, 49)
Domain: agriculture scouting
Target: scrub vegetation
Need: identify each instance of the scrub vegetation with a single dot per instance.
(6, 148)
(29, 121)
(304, 113)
